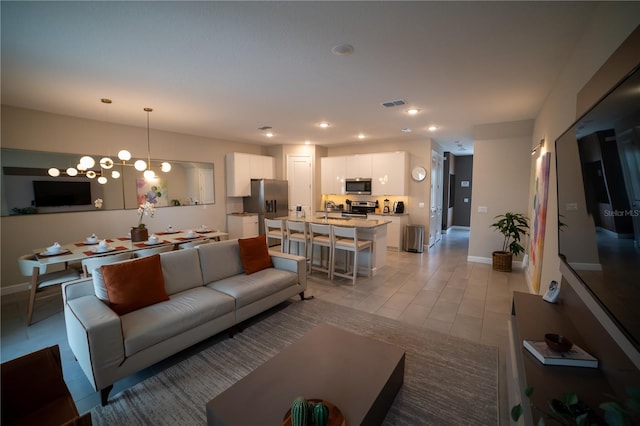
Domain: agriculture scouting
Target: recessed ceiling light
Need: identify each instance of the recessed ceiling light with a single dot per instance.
(432, 128)
(413, 111)
(360, 136)
(324, 124)
(406, 130)
(343, 49)
(269, 134)
(307, 142)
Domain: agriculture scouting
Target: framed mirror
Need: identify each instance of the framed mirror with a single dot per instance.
(27, 188)
(419, 173)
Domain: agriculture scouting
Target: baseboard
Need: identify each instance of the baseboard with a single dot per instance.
(487, 261)
(12, 289)
(458, 227)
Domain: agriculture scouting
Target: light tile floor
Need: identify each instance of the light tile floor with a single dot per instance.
(437, 290)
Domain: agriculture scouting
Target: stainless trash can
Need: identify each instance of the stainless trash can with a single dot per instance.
(414, 238)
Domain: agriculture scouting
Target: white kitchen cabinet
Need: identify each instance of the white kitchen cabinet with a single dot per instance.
(241, 168)
(262, 167)
(333, 172)
(360, 166)
(395, 229)
(242, 225)
(389, 173)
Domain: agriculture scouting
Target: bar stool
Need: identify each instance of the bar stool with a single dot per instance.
(321, 236)
(347, 239)
(40, 278)
(297, 233)
(274, 228)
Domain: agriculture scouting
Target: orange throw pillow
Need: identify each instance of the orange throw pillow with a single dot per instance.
(254, 254)
(135, 284)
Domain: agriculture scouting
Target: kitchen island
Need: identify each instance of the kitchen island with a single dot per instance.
(368, 229)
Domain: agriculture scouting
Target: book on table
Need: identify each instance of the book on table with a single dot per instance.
(575, 357)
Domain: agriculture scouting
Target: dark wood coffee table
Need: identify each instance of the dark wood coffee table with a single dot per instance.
(361, 376)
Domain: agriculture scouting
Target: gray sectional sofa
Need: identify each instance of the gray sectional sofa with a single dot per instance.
(208, 291)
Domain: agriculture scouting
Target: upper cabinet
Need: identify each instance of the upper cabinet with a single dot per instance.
(389, 173)
(333, 172)
(387, 170)
(241, 168)
(360, 166)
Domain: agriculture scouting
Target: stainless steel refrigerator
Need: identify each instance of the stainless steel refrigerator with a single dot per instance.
(269, 198)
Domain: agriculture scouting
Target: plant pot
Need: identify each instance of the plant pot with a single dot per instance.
(139, 234)
(502, 261)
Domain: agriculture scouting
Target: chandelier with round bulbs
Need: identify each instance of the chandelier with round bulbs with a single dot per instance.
(87, 163)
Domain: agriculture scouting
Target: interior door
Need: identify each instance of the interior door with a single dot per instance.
(435, 213)
(439, 197)
(433, 226)
(300, 177)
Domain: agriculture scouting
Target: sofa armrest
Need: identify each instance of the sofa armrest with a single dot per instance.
(94, 333)
(293, 263)
(78, 288)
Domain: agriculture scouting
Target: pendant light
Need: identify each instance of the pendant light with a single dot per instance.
(86, 163)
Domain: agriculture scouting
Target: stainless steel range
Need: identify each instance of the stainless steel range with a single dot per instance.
(361, 208)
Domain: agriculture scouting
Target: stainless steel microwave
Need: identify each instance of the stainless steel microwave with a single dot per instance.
(360, 186)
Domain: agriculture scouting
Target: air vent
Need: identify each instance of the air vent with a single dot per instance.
(391, 104)
(265, 128)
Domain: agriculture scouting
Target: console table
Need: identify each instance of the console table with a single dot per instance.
(531, 318)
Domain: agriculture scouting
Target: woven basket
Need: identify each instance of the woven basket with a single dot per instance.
(502, 261)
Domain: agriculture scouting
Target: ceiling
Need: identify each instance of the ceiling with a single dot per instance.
(222, 70)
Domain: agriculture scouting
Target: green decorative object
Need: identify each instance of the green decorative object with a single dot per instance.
(299, 412)
(320, 414)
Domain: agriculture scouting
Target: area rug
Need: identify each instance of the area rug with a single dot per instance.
(448, 381)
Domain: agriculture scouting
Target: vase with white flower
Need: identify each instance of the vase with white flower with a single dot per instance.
(140, 232)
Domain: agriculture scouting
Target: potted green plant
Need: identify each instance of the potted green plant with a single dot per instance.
(513, 226)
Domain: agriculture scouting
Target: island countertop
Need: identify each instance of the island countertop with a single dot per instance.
(340, 221)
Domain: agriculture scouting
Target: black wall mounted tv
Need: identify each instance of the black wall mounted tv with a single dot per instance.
(52, 193)
(598, 181)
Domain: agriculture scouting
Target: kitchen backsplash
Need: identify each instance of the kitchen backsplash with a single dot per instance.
(341, 199)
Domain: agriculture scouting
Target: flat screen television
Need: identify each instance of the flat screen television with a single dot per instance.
(57, 193)
(598, 178)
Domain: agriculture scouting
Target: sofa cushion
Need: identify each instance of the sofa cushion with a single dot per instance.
(254, 254)
(220, 260)
(181, 270)
(185, 310)
(247, 289)
(134, 284)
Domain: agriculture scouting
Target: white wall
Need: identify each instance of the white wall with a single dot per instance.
(34, 130)
(501, 164)
(611, 25)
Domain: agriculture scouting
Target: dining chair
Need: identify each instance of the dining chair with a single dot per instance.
(346, 239)
(42, 281)
(192, 244)
(275, 229)
(321, 236)
(153, 250)
(92, 263)
(297, 233)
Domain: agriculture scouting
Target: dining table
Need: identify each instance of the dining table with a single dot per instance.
(78, 250)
